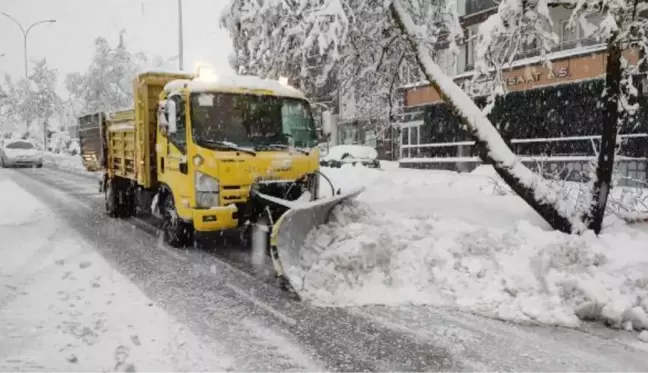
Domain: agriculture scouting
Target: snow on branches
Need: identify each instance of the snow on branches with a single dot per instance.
(518, 26)
(362, 44)
(353, 44)
(108, 82)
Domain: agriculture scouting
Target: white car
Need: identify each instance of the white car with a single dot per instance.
(17, 153)
(351, 154)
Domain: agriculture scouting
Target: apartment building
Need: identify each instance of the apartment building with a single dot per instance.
(353, 124)
(550, 118)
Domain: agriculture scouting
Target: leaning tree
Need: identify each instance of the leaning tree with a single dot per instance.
(369, 39)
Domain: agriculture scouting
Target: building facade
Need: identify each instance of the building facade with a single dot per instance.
(550, 118)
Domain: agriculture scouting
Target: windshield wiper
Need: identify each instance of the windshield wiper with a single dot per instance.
(282, 146)
(225, 145)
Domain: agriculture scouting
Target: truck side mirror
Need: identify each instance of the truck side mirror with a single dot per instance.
(163, 124)
(172, 116)
(327, 123)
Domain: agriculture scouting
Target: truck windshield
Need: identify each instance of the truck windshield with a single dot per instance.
(254, 121)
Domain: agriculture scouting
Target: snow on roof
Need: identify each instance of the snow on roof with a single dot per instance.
(245, 82)
(164, 71)
(175, 85)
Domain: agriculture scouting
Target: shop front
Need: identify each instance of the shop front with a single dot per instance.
(551, 118)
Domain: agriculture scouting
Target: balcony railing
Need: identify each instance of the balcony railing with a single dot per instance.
(564, 46)
(535, 52)
(633, 146)
(476, 6)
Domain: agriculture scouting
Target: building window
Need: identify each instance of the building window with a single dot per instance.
(461, 7)
(404, 143)
(470, 46)
(447, 61)
(370, 138)
(410, 136)
(568, 36)
(409, 73)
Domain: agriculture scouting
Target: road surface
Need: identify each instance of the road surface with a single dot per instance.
(214, 292)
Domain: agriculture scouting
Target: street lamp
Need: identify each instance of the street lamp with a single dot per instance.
(25, 33)
(180, 37)
(180, 33)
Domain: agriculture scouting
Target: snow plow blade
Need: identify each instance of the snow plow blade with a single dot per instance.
(290, 231)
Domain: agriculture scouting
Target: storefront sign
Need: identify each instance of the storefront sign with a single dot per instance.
(485, 87)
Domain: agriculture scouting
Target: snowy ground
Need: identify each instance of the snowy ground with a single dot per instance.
(63, 308)
(462, 240)
(68, 163)
(261, 328)
(443, 238)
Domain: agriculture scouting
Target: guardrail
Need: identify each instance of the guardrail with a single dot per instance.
(462, 156)
(520, 141)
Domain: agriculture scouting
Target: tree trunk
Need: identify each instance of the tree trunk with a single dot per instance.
(526, 189)
(611, 117)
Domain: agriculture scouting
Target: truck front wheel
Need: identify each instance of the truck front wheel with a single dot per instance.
(177, 232)
(111, 199)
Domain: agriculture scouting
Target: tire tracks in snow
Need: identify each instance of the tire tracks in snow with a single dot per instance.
(220, 301)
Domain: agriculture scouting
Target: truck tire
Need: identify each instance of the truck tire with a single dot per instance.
(110, 196)
(129, 204)
(177, 233)
(119, 202)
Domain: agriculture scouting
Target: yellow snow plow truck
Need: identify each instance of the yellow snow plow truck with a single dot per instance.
(214, 154)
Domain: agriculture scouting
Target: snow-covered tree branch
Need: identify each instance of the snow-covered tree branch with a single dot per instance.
(352, 44)
(518, 26)
(31, 102)
(534, 189)
(363, 43)
(621, 25)
(108, 83)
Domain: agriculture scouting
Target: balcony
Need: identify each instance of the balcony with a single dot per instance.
(476, 6)
(530, 52)
(564, 46)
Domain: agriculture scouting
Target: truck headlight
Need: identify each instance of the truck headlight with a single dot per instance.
(207, 191)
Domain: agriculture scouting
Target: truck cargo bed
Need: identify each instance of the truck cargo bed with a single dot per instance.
(122, 152)
(123, 142)
(91, 141)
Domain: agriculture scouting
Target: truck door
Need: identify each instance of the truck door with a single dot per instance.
(173, 164)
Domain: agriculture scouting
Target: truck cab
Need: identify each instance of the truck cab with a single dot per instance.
(194, 151)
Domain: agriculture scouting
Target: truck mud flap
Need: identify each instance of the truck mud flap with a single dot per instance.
(290, 231)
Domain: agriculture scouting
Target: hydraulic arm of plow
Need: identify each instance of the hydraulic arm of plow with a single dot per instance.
(288, 223)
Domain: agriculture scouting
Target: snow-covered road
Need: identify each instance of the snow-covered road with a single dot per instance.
(231, 319)
(63, 307)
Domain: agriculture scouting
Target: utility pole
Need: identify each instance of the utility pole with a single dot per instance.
(180, 37)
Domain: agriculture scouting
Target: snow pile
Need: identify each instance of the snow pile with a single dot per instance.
(63, 308)
(446, 194)
(66, 162)
(521, 274)
(355, 151)
(438, 238)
